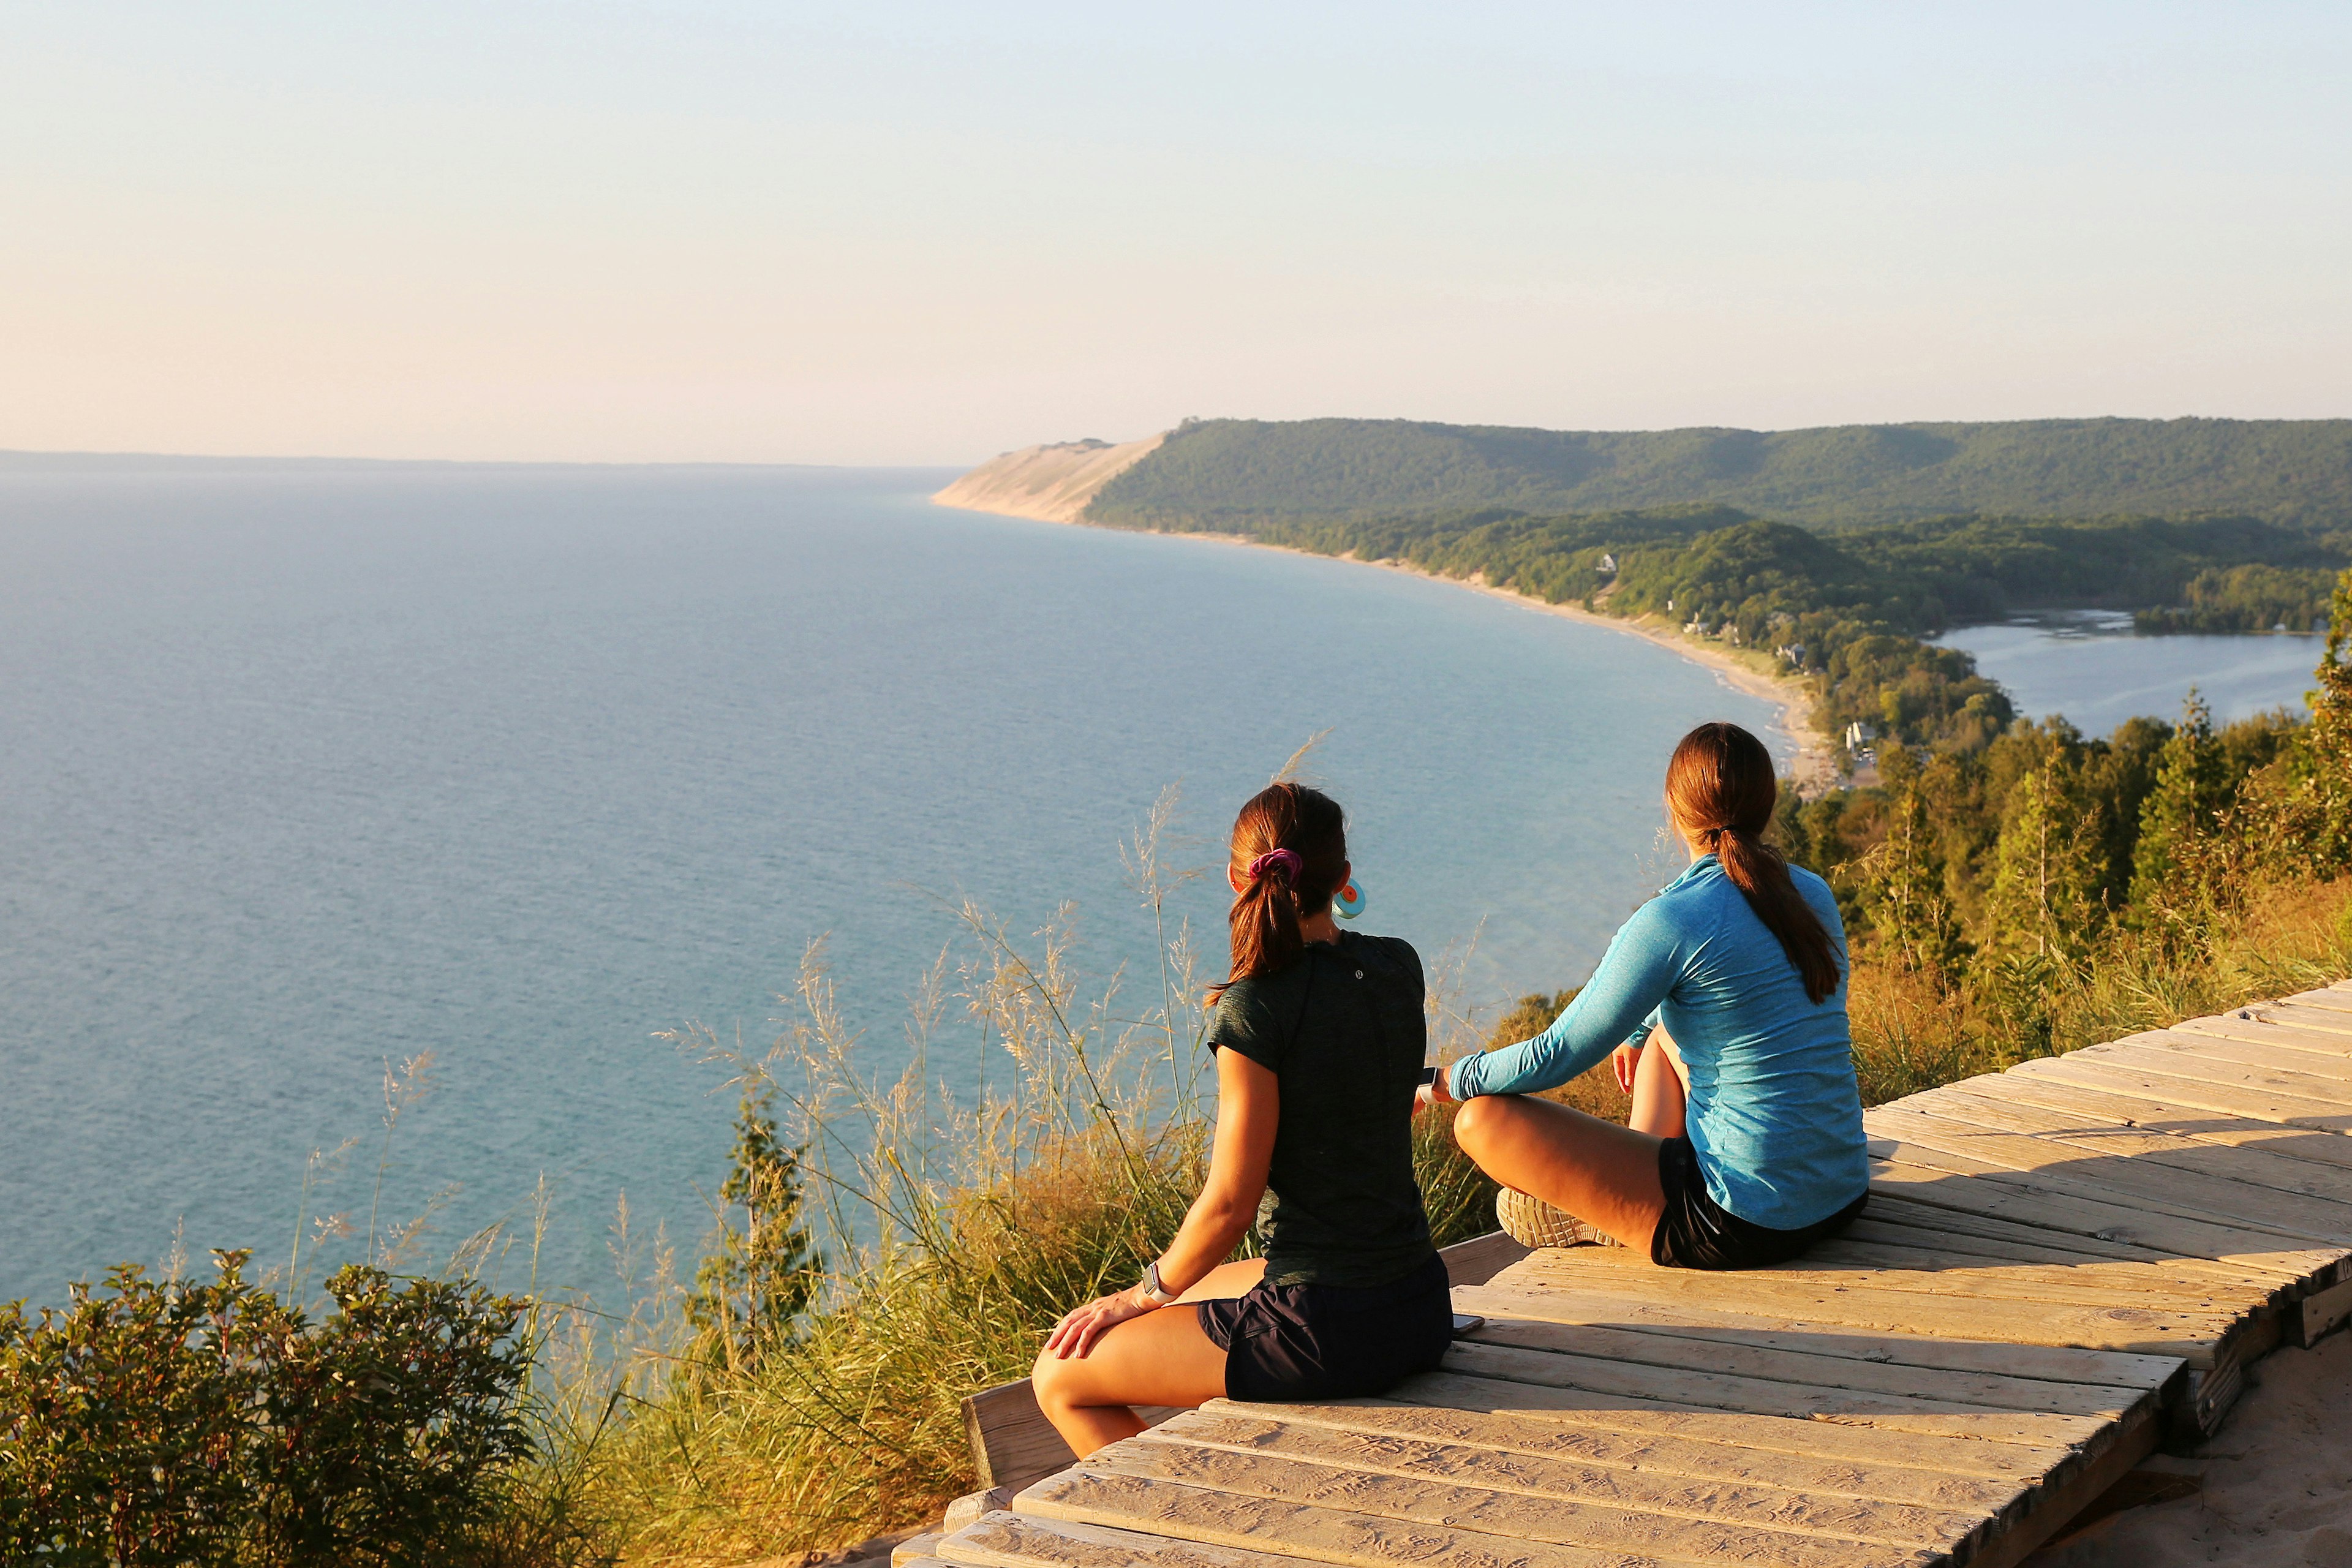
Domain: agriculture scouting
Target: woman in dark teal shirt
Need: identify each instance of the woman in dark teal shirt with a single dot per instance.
(1319, 1037)
(1747, 1143)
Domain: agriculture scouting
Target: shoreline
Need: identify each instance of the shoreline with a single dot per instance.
(1814, 764)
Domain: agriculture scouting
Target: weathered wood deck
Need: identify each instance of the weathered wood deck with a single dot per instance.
(2059, 1265)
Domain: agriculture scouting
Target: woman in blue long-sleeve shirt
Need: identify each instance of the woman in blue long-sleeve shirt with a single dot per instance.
(1747, 1141)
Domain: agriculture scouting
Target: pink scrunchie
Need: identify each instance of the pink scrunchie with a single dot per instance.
(1285, 861)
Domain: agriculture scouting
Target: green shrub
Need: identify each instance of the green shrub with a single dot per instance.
(157, 1421)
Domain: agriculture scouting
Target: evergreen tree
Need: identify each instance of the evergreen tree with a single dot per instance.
(2192, 788)
(1904, 890)
(2327, 743)
(2047, 867)
(763, 1270)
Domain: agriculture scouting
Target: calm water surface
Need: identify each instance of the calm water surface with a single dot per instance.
(2087, 665)
(306, 767)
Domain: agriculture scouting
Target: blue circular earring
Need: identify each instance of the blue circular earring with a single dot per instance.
(1348, 901)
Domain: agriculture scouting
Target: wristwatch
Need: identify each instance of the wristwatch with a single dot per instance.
(1153, 1292)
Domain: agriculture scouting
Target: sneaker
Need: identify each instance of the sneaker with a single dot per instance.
(1531, 1221)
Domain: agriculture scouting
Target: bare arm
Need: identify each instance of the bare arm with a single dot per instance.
(1249, 1107)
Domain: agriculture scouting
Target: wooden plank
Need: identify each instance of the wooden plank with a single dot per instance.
(1925, 1138)
(2055, 1485)
(2212, 1395)
(2064, 1496)
(2012, 1195)
(2278, 1050)
(1677, 1387)
(2173, 1064)
(1915, 1474)
(2088, 1283)
(2194, 1094)
(2290, 1013)
(1867, 1266)
(1007, 1540)
(2155, 1186)
(1773, 1363)
(1910, 1266)
(1830, 1296)
(2255, 1166)
(2297, 1033)
(2023, 1291)
(2338, 997)
(1960, 1448)
(1297, 1530)
(2322, 1310)
(2316, 1145)
(1459, 1496)
(1598, 1307)
(1892, 1209)
(1871, 1229)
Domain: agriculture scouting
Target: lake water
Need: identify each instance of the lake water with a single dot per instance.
(307, 766)
(2088, 665)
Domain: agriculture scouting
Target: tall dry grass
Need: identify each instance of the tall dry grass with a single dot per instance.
(1914, 1030)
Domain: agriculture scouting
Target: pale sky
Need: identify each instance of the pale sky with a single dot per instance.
(884, 232)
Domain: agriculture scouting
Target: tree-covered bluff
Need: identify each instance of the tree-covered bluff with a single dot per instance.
(1235, 474)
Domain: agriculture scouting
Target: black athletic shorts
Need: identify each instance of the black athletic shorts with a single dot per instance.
(1331, 1341)
(1696, 1231)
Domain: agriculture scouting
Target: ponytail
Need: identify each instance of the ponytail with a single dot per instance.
(1721, 791)
(1289, 854)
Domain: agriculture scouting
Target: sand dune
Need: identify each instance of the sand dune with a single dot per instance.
(1053, 483)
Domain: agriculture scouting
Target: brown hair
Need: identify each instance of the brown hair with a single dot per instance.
(1721, 791)
(1275, 897)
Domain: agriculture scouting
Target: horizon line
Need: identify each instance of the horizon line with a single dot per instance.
(39, 455)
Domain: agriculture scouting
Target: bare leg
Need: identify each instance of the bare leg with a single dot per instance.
(1159, 1358)
(1661, 1088)
(1596, 1171)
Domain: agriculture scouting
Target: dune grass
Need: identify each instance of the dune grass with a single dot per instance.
(1914, 1030)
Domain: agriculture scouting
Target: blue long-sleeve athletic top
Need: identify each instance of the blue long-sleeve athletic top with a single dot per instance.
(1773, 1114)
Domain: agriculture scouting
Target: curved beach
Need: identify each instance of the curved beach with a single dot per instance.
(1055, 482)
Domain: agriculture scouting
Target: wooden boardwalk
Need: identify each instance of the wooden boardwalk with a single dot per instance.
(2061, 1265)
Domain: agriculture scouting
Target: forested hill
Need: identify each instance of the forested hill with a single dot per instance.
(1232, 472)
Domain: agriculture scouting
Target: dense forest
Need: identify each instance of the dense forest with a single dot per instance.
(1239, 473)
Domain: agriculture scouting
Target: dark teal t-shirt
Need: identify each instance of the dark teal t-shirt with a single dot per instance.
(1342, 1029)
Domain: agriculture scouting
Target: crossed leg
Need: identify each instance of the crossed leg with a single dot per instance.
(1159, 1358)
(1602, 1173)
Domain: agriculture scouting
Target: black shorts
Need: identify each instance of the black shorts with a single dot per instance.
(1696, 1231)
(1331, 1341)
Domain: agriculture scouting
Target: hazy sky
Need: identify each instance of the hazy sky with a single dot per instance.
(875, 232)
